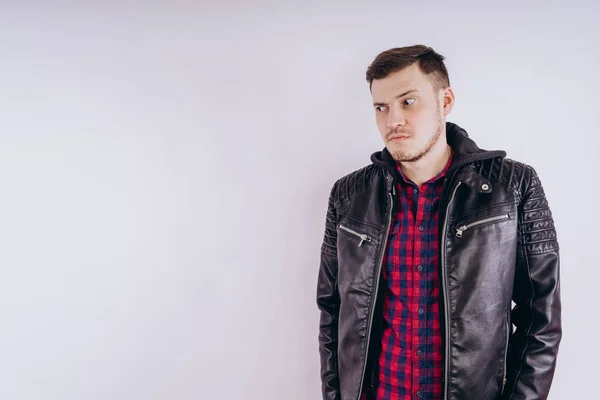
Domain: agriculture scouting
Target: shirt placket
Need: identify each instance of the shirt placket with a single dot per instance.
(418, 309)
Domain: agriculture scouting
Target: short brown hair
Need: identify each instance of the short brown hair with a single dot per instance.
(396, 59)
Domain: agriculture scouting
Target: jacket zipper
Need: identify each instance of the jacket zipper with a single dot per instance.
(444, 290)
(361, 236)
(505, 354)
(461, 229)
(383, 246)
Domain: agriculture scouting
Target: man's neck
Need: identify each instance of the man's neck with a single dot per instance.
(428, 166)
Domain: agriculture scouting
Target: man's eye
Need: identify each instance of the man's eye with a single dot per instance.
(409, 101)
(379, 108)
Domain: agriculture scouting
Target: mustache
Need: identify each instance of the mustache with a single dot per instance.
(397, 133)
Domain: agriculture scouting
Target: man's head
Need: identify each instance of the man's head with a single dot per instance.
(412, 97)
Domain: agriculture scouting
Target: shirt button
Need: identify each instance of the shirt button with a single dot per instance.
(419, 353)
(415, 191)
(421, 311)
(420, 268)
(419, 394)
(421, 228)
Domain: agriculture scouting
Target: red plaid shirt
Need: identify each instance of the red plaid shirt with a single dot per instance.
(410, 362)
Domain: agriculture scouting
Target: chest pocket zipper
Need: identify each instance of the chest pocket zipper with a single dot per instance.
(460, 230)
(361, 236)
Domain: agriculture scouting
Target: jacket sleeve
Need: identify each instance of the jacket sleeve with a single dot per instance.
(328, 304)
(533, 346)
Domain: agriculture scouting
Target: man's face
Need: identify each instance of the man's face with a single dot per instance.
(408, 113)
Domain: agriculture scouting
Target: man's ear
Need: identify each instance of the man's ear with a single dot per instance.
(448, 100)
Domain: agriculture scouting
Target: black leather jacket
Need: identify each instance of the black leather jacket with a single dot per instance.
(498, 246)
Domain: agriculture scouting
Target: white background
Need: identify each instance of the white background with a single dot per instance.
(165, 167)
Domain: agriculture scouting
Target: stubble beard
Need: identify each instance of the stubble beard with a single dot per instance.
(404, 156)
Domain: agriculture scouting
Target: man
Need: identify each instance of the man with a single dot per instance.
(426, 249)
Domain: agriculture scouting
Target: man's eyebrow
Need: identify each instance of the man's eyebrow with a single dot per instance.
(397, 97)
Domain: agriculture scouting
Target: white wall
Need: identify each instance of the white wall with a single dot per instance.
(164, 172)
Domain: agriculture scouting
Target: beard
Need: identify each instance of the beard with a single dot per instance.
(408, 156)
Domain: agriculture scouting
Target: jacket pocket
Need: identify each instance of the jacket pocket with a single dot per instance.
(497, 218)
(362, 237)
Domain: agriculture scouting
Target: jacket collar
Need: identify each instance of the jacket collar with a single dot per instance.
(465, 150)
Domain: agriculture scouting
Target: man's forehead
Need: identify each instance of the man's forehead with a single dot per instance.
(400, 82)
(381, 93)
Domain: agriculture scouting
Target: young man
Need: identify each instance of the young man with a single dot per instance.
(426, 249)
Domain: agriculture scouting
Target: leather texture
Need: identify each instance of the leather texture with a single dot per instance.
(508, 253)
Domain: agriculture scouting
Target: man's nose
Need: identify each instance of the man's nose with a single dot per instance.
(395, 119)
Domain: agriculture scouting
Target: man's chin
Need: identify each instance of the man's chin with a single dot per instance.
(400, 154)
(404, 157)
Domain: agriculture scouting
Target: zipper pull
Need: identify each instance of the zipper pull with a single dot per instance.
(362, 239)
(460, 230)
